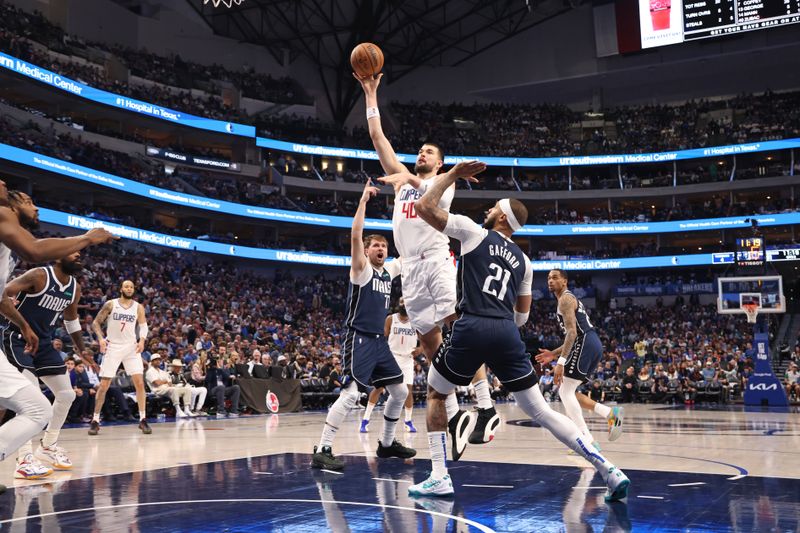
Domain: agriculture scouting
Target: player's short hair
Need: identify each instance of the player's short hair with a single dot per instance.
(15, 197)
(519, 210)
(562, 273)
(438, 148)
(374, 237)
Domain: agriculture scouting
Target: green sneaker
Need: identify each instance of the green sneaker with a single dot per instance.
(324, 459)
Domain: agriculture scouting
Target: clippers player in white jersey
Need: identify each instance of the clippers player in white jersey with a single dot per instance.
(17, 393)
(495, 279)
(403, 343)
(429, 272)
(119, 346)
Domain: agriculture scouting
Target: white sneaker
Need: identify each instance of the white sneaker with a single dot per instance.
(617, 484)
(55, 456)
(191, 413)
(30, 468)
(179, 413)
(433, 487)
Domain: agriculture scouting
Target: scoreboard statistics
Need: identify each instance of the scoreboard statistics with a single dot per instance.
(750, 251)
(675, 21)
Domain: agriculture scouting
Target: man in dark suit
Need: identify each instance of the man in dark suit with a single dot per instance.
(221, 386)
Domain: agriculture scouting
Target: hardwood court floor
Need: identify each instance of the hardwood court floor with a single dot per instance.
(691, 469)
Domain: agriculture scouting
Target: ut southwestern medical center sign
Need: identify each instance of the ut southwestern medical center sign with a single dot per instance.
(122, 102)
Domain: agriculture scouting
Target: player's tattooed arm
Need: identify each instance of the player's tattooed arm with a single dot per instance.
(32, 281)
(567, 305)
(9, 310)
(358, 261)
(99, 320)
(428, 206)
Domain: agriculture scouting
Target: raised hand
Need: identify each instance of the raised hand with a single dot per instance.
(370, 191)
(467, 170)
(369, 83)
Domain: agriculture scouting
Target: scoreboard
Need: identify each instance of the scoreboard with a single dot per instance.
(750, 251)
(675, 21)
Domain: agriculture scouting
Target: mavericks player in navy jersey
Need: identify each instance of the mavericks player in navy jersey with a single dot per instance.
(365, 351)
(578, 356)
(495, 281)
(44, 295)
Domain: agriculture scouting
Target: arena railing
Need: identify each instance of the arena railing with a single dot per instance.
(177, 117)
(103, 179)
(79, 222)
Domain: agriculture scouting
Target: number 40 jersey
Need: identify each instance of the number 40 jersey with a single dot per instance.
(493, 270)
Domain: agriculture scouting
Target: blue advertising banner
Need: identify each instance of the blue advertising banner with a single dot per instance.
(97, 177)
(763, 388)
(542, 162)
(122, 102)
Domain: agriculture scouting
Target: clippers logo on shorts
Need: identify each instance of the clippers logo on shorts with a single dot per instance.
(490, 276)
(43, 310)
(581, 318)
(367, 305)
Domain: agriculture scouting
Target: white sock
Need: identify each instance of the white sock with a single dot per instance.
(96, 417)
(409, 410)
(24, 450)
(437, 441)
(368, 410)
(391, 412)
(142, 415)
(337, 413)
(534, 405)
(602, 410)
(482, 394)
(451, 405)
(62, 390)
(572, 407)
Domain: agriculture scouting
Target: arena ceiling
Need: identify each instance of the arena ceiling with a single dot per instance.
(411, 33)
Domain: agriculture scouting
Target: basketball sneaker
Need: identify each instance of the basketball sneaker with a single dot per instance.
(615, 423)
(364, 424)
(410, 426)
(458, 426)
(617, 484)
(145, 427)
(433, 487)
(486, 425)
(54, 455)
(395, 450)
(29, 468)
(94, 427)
(325, 459)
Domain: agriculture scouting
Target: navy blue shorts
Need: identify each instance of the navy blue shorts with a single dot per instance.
(475, 340)
(586, 354)
(48, 361)
(368, 360)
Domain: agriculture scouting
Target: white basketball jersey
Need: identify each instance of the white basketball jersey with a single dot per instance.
(402, 337)
(412, 235)
(7, 265)
(121, 326)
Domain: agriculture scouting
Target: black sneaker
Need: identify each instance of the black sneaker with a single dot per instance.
(145, 427)
(395, 450)
(325, 459)
(487, 423)
(2, 489)
(458, 427)
(94, 427)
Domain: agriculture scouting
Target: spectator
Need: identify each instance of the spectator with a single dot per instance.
(792, 381)
(629, 386)
(160, 384)
(221, 386)
(179, 381)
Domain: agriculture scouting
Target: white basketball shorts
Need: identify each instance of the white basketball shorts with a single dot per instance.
(121, 354)
(11, 379)
(406, 364)
(429, 290)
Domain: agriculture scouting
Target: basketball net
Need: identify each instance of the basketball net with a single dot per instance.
(751, 310)
(226, 3)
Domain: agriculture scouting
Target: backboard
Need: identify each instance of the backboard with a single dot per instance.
(765, 291)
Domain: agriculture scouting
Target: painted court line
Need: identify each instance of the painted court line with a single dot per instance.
(591, 488)
(686, 484)
(734, 478)
(263, 473)
(651, 497)
(390, 479)
(331, 472)
(490, 486)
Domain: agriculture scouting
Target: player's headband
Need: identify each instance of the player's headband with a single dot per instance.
(505, 207)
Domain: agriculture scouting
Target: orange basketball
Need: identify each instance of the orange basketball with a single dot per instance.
(366, 60)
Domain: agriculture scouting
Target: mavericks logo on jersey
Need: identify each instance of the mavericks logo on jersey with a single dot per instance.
(382, 286)
(54, 303)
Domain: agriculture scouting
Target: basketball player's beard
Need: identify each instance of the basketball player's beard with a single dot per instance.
(489, 222)
(72, 268)
(29, 223)
(423, 168)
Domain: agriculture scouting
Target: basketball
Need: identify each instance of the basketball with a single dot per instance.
(366, 60)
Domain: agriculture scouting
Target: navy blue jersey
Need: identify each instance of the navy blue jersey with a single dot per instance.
(43, 310)
(581, 317)
(368, 300)
(493, 270)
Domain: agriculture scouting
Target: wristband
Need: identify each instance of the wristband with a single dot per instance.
(373, 112)
(520, 318)
(143, 331)
(72, 326)
(562, 361)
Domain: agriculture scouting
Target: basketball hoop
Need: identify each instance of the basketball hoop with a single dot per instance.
(751, 310)
(226, 3)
